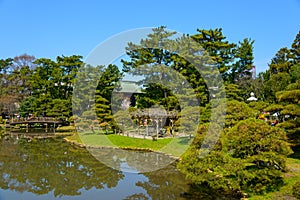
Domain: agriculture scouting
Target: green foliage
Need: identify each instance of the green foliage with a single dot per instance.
(124, 120)
(156, 66)
(251, 137)
(277, 82)
(237, 111)
(59, 108)
(188, 120)
(281, 62)
(274, 108)
(296, 190)
(295, 73)
(2, 128)
(14, 81)
(66, 129)
(157, 94)
(242, 69)
(289, 98)
(28, 106)
(258, 106)
(86, 83)
(258, 86)
(220, 50)
(51, 86)
(292, 96)
(103, 94)
(291, 109)
(233, 92)
(295, 50)
(250, 157)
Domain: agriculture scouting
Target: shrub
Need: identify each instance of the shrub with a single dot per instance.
(296, 190)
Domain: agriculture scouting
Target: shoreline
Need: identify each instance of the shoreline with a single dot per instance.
(86, 146)
(81, 145)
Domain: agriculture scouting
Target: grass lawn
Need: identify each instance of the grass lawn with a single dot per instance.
(173, 146)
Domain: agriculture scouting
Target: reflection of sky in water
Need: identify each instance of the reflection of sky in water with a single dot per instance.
(131, 161)
(124, 167)
(126, 187)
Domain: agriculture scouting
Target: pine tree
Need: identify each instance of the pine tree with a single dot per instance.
(242, 68)
(281, 63)
(295, 50)
(108, 81)
(247, 155)
(220, 50)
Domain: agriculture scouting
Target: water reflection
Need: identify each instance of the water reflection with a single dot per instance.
(131, 161)
(53, 169)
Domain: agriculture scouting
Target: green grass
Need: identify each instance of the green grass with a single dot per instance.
(74, 138)
(173, 146)
(66, 129)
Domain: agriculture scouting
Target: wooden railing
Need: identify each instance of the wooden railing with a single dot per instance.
(33, 119)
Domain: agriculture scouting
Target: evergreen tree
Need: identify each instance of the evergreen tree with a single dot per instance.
(295, 50)
(250, 157)
(290, 113)
(242, 69)
(52, 83)
(281, 63)
(220, 50)
(149, 59)
(108, 81)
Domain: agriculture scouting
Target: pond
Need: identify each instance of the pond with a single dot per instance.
(54, 169)
(51, 168)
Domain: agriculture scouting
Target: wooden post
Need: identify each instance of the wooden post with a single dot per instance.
(46, 129)
(147, 130)
(157, 127)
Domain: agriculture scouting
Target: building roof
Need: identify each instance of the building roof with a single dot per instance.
(129, 87)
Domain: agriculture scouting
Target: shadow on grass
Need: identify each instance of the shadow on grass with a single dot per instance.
(97, 133)
(184, 140)
(296, 150)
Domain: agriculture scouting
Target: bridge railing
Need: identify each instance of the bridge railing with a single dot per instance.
(39, 119)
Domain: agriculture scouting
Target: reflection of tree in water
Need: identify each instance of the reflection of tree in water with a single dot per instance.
(205, 192)
(165, 183)
(48, 165)
(130, 160)
(168, 183)
(51, 165)
(139, 196)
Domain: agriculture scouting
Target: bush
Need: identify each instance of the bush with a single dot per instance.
(250, 157)
(66, 129)
(296, 190)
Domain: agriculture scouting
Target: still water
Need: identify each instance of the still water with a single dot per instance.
(54, 169)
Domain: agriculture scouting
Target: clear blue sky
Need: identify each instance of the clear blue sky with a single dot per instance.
(48, 28)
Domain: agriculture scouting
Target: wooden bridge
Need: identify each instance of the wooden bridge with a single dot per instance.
(43, 123)
(33, 120)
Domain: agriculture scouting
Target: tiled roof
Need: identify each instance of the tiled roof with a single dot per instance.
(129, 87)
